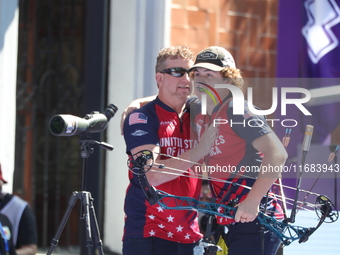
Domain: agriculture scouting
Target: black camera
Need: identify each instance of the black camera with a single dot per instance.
(69, 125)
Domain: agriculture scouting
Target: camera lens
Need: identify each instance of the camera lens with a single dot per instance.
(57, 125)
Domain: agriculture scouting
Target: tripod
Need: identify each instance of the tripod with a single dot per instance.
(87, 213)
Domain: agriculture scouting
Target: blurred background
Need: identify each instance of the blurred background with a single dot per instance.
(78, 56)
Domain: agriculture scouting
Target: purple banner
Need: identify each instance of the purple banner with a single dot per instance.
(309, 54)
(308, 47)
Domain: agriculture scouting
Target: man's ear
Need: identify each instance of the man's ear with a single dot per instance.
(159, 78)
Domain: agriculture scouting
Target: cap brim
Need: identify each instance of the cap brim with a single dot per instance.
(209, 66)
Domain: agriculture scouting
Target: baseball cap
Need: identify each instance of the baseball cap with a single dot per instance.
(214, 58)
(1, 178)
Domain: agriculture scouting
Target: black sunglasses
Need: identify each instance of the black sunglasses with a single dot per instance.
(175, 71)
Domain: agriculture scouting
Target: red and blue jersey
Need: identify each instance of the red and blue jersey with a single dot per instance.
(233, 157)
(158, 124)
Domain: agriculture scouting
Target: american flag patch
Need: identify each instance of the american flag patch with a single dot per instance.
(137, 117)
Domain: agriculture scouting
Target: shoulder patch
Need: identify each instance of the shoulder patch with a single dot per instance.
(137, 118)
(139, 133)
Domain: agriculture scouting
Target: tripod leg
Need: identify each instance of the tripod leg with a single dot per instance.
(87, 221)
(95, 228)
(55, 239)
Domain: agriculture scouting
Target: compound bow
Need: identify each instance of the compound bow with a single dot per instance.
(141, 162)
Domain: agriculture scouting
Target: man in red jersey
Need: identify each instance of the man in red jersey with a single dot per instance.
(163, 127)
